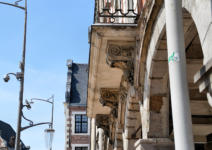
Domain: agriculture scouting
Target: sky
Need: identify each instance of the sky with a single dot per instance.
(57, 31)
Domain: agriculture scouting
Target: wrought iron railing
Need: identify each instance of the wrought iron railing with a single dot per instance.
(116, 11)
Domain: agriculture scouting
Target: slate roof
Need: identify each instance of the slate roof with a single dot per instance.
(6, 132)
(77, 82)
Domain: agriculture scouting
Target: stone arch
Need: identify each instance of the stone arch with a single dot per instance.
(151, 92)
(200, 10)
(156, 89)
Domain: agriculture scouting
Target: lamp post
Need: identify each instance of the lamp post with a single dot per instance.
(20, 75)
(49, 133)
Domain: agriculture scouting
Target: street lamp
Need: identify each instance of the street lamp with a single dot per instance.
(49, 133)
(20, 77)
(22, 67)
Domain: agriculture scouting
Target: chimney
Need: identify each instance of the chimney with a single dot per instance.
(68, 83)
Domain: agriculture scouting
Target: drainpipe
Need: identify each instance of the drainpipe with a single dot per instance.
(177, 74)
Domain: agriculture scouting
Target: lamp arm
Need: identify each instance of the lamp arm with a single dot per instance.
(30, 121)
(11, 72)
(32, 99)
(33, 125)
(23, 8)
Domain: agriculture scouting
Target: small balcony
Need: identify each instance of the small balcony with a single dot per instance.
(116, 11)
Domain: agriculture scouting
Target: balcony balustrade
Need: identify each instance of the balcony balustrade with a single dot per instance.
(116, 11)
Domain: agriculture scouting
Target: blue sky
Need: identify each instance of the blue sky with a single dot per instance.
(57, 31)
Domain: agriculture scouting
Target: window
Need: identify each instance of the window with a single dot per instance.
(81, 124)
(81, 148)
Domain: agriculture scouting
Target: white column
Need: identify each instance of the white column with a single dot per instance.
(109, 146)
(177, 74)
(125, 144)
(126, 141)
(93, 133)
(128, 144)
(101, 139)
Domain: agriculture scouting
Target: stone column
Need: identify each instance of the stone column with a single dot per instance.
(128, 144)
(109, 146)
(101, 139)
(177, 75)
(118, 144)
(125, 143)
(93, 133)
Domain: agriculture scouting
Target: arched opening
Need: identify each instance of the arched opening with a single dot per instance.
(160, 109)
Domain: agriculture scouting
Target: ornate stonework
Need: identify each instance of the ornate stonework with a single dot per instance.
(122, 57)
(109, 97)
(120, 53)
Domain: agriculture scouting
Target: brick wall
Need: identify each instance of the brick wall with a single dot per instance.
(71, 137)
(80, 139)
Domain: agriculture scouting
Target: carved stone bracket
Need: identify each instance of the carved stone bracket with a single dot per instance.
(122, 57)
(109, 97)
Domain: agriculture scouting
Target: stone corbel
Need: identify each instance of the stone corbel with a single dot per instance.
(109, 97)
(204, 79)
(122, 56)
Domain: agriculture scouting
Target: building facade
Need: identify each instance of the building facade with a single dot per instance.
(149, 84)
(77, 127)
(7, 137)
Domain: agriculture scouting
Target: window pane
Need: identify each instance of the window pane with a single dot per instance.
(77, 127)
(77, 148)
(84, 148)
(78, 118)
(84, 118)
(84, 127)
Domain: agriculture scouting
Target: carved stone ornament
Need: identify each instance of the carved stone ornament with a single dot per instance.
(102, 120)
(123, 91)
(109, 97)
(114, 112)
(122, 57)
(128, 75)
(119, 55)
(117, 52)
